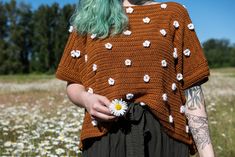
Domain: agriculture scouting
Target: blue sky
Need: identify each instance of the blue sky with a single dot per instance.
(212, 18)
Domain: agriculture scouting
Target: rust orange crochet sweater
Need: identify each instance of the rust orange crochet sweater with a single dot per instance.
(153, 61)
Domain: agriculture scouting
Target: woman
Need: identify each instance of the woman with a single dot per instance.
(136, 66)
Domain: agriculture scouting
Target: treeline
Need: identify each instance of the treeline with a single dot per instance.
(33, 40)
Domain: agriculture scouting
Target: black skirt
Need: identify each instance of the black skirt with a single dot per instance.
(137, 134)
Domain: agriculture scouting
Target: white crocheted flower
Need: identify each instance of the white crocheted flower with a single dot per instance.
(94, 67)
(90, 90)
(127, 32)
(93, 36)
(164, 97)
(128, 62)
(171, 119)
(173, 86)
(163, 32)
(187, 129)
(129, 10)
(163, 6)
(146, 20)
(191, 26)
(129, 96)
(182, 109)
(176, 24)
(146, 78)
(108, 46)
(187, 52)
(71, 29)
(94, 122)
(75, 53)
(118, 107)
(179, 77)
(111, 81)
(164, 63)
(146, 43)
(142, 103)
(175, 55)
(86, 57)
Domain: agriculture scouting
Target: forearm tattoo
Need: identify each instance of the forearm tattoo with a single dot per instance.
(195, 98)
(198, 125)
(199, 128)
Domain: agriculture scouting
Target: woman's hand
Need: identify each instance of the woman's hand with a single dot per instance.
(97, 107)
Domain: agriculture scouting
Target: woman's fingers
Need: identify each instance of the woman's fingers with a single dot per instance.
(102, 109)
(102, 117)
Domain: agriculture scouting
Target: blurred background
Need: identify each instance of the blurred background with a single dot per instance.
(36, 115)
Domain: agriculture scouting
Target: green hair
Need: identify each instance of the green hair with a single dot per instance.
(100, 17)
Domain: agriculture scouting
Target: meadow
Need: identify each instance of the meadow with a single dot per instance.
(37, 118)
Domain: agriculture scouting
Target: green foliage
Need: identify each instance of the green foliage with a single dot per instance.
(32, 41)
(219, 53)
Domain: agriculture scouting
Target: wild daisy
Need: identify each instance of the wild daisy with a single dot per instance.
(118, 107)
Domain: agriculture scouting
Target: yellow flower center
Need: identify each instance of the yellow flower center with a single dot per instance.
(118, 107)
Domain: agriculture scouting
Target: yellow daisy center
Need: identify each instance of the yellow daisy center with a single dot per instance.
(118, 107)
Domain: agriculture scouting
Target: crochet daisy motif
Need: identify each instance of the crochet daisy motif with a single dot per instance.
(118, 107)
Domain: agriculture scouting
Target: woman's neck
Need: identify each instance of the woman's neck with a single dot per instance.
(133, 2)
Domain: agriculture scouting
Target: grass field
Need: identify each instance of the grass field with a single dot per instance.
(37, 118)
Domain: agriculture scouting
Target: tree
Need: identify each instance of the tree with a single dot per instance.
(217, 52)
(11, 62)
(3, 28)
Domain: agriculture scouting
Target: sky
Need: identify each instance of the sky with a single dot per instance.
(212, 18)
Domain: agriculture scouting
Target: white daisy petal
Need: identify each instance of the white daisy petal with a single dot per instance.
(118, 107)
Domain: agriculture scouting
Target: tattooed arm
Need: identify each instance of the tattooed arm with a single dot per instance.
(198, 120)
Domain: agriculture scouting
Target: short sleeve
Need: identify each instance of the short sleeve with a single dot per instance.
(72, 59)
(194, 65)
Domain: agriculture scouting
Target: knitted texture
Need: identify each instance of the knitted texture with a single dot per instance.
(153, 61)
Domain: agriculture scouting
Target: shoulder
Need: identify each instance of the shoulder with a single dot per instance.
(177, 9)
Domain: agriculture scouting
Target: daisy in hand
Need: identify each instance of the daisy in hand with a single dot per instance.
(118, 107)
